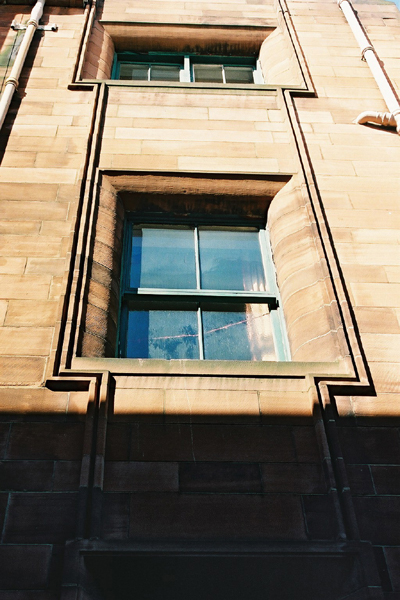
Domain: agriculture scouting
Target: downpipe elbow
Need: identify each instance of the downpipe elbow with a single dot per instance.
(385, 119)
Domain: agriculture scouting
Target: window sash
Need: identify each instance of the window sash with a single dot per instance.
(211, 73)
(242, 331)
(200, 299)
(149, 71)
(194, 253)
(188, 65)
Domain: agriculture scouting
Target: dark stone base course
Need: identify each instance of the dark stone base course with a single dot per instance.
(234, 571)
(41, 518)
(216, 516)
(24, 566)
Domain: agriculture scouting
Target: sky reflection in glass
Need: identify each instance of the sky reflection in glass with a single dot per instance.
(231, 260)
(188, 261)
(238, 335)
(169, 334)
(163, 258)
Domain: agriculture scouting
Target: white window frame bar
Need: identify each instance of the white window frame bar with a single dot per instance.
(184, 75)
(258, 74)
(278, 324)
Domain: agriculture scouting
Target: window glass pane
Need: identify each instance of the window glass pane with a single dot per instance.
(163, 258)
(164, 73)
(134, 71)
(239, 75)
(245, 334)
(165, 334)
(231, 260)
(208, 73)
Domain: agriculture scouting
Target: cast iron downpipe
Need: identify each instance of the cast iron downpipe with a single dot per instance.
(368, 53)
(13, 80)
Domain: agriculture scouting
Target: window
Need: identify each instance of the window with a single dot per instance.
(187, 68)
(199, 291)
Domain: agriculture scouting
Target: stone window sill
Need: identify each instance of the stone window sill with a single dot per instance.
(220, 368)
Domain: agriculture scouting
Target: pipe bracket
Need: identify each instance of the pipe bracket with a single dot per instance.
(51, 27)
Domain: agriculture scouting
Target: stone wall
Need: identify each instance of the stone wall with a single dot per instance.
(103, 457)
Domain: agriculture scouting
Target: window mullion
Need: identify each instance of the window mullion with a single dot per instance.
(200, 327)
(223, 74)
(184, 75)
(197, 257)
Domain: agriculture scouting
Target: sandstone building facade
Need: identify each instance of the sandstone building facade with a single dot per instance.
(199, 302)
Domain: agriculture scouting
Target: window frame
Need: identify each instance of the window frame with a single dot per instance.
(200, 298)
(187, 62)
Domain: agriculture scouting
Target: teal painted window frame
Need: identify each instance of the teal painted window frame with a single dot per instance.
(186, 62)
(196, 297)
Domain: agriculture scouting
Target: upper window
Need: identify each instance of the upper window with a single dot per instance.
(199, 292)
(187, 68)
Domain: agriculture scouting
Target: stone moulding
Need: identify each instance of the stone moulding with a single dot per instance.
(178, 193)
(272, 198)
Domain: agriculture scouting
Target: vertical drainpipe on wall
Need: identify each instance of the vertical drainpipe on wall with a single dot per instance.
(13, 80)
(368, 53)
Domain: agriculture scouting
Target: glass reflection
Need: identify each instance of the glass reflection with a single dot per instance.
(169, 334)
(245, 334)
(231, 260)
(134, 72)
(239, 75)
(164, 73)
(163, 258)
(208, 73)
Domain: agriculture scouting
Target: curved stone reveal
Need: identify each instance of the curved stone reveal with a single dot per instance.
(302, 277)
(278, 60)
(99, 55)
(99, 336)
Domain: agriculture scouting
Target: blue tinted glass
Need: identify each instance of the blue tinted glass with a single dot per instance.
(165, 72)
(134, 71)
(165, 334)
(231, 260)
(239, 335)
(163, 258)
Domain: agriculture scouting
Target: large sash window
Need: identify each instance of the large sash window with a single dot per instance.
(200, 292)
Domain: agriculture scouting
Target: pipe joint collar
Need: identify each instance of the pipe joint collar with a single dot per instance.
(33, 22)
(396, 112)
(366, 49)
(386, 118)
(37, 11)
(339, 3)
(12, 81)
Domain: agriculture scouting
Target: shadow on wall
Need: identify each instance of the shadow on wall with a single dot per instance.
(222, 505)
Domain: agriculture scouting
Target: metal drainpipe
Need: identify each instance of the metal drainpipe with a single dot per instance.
(368, 53)
(13, 80)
